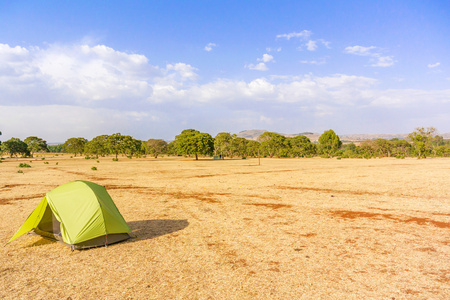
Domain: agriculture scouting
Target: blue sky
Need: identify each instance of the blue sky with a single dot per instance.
(153, 68)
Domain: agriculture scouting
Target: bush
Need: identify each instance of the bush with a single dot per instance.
(43, 158)
(20, 171)
(87, 157)
(45, 162)
(94, 168)
(22, 165)
(115, 159)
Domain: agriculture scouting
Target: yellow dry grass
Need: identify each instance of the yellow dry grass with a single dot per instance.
(288, 229)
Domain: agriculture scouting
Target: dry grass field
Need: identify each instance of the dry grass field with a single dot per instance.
(288, 229)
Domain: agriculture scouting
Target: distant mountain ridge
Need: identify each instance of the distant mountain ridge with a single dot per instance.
(255, 133)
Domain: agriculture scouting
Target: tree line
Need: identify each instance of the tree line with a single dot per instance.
(423, 142)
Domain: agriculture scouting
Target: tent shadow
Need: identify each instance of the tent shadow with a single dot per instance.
(149, 229)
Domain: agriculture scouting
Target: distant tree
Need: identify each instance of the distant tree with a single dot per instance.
(238, 146)
(401, 148)
(223, 144)
(15, 146)
(382, 147)
(329, 143)
(301, 146)
(272, 143)
(155, 147)
(36, 144)
(130, 146)
(252, 148)
(74, 145)
(114, 143)
(55, 148)
(422, 140)
(97, 146)
(191, 141)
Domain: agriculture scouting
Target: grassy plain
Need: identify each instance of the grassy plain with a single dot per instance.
(288, 229)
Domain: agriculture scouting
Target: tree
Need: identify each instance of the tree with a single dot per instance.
(272, 143)
(223, 144)
(383, 147)
(130, 146)
(238, 146)
(74, 145)
(36, 144)
(55, 148)
(97, 145)
(252, 148)
(15, 146)
(191, 141)
(114, 143)
(155, 147)
(422, 140)
(329, 143)
(301, 146)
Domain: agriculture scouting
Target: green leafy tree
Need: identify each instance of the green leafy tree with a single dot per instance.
(400, 148)
(252, 148)
(36, 144)
(382, 147)
(15, 146)
(223, 144)
(329, 143)
(301, 146)
(114, 143)
(238, 146)
(422, 141)
(74, 145)
(97, 146)
(130, 146)
(55, 148)
(193, 142)
(272, 143)
(155, 147)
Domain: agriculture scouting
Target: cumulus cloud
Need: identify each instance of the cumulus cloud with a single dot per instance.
(78, 90)
(305, 34)
(375, 54)
(434, 65)
(209, 47)
(262, 65)
(266, 58)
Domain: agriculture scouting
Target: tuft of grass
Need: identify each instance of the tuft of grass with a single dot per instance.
(23, 165)
(94, 168)
(45, 162)
(19, 171)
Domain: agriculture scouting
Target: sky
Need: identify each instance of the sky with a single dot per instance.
(151, 69)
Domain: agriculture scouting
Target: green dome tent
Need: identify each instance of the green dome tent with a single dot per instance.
(80, 214)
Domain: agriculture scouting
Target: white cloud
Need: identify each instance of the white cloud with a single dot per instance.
(268, 49)
(305, 34)
(63, 91)
(262, 65)
(383, 61)
(311, 45)
(374, 53)
(321, 61)
(434, 65)
(360, 50)
(266, 58)
(209, 47)
(258, 67)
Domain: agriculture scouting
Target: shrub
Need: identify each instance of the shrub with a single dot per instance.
(115, 159)
(43, 158)
(22, 165)
(45, 162)
(87, 157)
(56, 163)
(20, 171)
(94, 168)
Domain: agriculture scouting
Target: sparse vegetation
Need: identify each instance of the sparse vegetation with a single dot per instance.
(24, 165)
